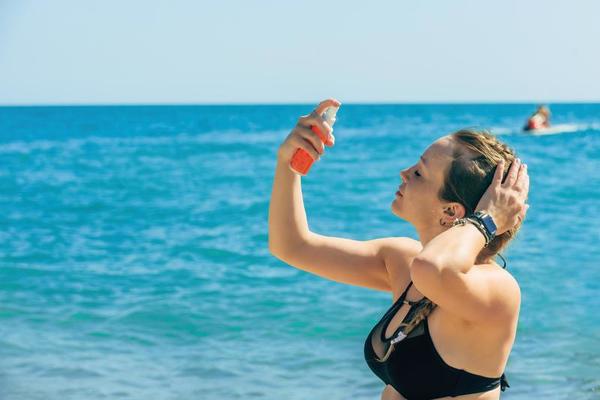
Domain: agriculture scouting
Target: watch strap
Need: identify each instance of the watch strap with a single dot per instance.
(478, 224)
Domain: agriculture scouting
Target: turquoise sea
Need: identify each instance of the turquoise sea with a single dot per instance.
(134, 261)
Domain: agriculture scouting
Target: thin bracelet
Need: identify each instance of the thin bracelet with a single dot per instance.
(478, 225)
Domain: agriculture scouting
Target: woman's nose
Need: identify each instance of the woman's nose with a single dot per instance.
(404, 175)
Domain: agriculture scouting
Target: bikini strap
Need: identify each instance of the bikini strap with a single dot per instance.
(400, 299)
(503, 383)
(403, 295)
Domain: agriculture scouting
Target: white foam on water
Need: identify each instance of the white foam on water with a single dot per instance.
(553, 130)
(561, 128)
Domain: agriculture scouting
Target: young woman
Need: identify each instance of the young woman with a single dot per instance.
(454, 316)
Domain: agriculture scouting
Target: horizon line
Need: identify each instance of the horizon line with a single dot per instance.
(191, 104)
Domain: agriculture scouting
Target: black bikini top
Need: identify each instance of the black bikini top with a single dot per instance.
(412, 365)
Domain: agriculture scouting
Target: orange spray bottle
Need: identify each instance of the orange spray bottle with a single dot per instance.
(301, 160)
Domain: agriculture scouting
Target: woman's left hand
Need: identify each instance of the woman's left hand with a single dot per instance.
(505, 202)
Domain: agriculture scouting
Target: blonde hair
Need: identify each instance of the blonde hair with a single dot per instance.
(468, 177)
(471, 173)
(422, 309)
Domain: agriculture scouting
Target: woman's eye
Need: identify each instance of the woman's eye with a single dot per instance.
(417, 173)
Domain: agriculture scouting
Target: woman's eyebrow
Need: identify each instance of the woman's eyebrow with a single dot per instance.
(422, 159)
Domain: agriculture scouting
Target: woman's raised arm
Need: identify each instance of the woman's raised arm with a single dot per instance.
(361, 263)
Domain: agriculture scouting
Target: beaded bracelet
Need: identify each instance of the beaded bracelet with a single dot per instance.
(478, 225)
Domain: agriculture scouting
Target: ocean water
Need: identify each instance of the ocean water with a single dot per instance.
(134, 260)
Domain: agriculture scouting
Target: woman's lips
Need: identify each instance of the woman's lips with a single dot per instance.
(398, 193)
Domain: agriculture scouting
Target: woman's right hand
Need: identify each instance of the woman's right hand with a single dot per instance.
(303, 137)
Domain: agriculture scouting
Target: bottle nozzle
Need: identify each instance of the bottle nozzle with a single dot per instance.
(329, 115)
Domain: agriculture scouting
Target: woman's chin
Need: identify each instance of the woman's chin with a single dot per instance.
(396, 209)
(398, 212)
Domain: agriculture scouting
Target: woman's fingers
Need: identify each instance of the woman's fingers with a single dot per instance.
(310, 142)
(308, 147)
(521, 187)
(511, 178)
(526, 186)
(320, 109)
(497, 179)
(523, 180)
(507, 197)
(331, 141)
(315, 119)
(325, 130)
(324, 127)
(522, 172)
(311, 133)
(313, 138)
(321, 125)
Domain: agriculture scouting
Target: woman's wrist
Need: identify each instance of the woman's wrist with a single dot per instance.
(487, 222)
(468, 233)
(476, 226)
(455, 248)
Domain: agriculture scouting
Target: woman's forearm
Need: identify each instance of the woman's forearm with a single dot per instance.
(288, 226)
(455, 249)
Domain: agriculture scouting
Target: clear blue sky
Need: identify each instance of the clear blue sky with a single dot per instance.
(130, 51)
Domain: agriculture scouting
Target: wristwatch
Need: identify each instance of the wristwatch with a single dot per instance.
(488, 223)
(483, 222)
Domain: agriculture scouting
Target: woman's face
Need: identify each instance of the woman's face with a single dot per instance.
(418, 201)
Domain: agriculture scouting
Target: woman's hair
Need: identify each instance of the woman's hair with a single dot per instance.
(471, 173)
(468, 177)
(422, 309)
(543, 109)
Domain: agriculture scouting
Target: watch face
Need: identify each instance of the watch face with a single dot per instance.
(489, 224)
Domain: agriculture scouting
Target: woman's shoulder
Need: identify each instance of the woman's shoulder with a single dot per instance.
(398, 254)
(401, 250)
(497, 270)
(505, 285)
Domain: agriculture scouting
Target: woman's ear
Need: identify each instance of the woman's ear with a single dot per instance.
(452, 212)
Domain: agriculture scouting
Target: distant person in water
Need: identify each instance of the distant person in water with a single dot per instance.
(539, 119)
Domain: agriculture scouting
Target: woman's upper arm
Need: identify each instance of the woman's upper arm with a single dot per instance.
(476, 296)
(353, 262)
